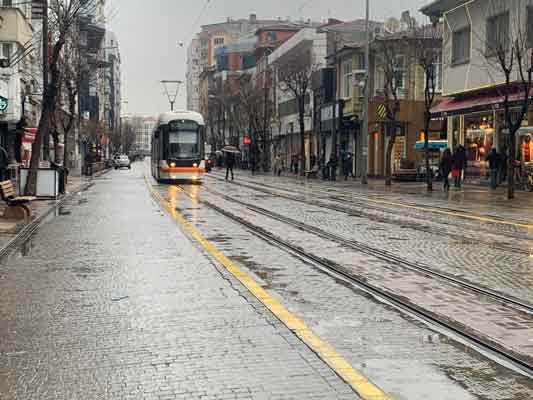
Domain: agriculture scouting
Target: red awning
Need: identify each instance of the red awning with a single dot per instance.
(480, 102)
(29, 135)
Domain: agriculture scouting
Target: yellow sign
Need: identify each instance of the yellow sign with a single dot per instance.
(382, 111)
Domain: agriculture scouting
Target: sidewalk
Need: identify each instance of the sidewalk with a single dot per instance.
(471, 198)
(9, 230)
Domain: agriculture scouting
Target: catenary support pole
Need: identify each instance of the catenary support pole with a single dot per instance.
(364, 131)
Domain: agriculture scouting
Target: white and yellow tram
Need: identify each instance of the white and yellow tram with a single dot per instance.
(178, 147)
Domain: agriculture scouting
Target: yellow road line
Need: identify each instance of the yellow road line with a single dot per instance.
(474, 217)
(429, 209)
(364, 388)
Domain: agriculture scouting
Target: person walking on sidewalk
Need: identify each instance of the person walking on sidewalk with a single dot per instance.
(503, 165)
(348, 165)
(458, 165)
(333, 167)
(494, 166)
(277, 165)
(230, 162)
(446, 168)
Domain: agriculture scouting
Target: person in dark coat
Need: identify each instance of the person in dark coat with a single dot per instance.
(347, 166)
(230, 162)
(4, 162)
(494, 161)
(503, 165)
(333, 167)
(445, 168)
(458, 164)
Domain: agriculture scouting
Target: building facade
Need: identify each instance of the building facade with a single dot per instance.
(113, 86)
(193, 76)
(474, 84)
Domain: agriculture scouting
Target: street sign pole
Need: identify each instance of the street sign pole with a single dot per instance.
(364, 132)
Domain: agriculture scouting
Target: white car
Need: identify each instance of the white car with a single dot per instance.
(122, 161)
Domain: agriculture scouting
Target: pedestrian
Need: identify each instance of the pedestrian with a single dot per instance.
(446, 168)
(230, 162)
(503, 165)
(458, 165)
(89, 164)
(333, 167)
(296, 164)
(4, 162)
(494, 166)
(348, 165)
(277, 165)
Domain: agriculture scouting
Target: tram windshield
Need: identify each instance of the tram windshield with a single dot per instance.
(184, 143)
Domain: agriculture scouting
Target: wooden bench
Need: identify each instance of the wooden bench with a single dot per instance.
(16, 205)
(312, 173)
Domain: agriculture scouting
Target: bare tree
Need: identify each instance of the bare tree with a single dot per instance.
(508, 52)
(388, 54)
(294, 78)
(427, 51)
(63, 16)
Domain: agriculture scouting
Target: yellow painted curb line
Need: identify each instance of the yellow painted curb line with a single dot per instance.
(364, 388)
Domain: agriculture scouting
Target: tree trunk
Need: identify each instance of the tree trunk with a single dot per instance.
(302, 143)
(429, 177)
(510, 165)
(44, 124)
(388, 157)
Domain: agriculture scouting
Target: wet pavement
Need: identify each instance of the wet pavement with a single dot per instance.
(109, 299)
(394, 350)
(493, 255)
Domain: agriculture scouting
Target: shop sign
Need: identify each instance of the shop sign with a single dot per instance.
(4, 104)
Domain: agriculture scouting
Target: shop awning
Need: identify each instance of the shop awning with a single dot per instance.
(432, 145)
(479, 102)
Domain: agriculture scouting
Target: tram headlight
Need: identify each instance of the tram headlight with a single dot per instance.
(172, 165)
(195, 165)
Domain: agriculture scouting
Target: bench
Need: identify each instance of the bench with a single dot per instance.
(16, 205)
(312, 173)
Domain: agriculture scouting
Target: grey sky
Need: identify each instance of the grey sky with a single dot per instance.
(149, 32)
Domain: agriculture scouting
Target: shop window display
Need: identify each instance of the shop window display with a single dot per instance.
(479, 140)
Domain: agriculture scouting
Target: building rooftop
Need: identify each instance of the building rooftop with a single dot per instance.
(438, 7)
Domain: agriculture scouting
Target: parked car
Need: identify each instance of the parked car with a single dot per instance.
(122, 161)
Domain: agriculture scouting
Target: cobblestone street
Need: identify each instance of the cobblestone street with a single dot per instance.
(110, 300)
(142, 307)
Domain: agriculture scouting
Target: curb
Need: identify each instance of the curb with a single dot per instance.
(28, 230)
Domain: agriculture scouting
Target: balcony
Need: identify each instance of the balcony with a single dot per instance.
(15, 27)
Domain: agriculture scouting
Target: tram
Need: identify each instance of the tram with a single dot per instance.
(178, 147)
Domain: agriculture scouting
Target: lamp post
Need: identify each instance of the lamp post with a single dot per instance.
(364, 131)
(171, 94)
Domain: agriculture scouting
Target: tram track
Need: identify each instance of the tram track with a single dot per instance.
(480, 342)
(349, 210)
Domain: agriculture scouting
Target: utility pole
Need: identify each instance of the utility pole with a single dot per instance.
(364, 132)
(46, 133)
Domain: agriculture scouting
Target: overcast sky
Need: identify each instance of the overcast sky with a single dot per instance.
(149, 32)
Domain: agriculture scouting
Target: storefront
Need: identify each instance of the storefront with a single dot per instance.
(479, 139)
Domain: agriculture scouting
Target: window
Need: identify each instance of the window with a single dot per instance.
(218, 41)
(399, 72)
(5, 51)
(498, 33)
(7, 3)
(461, 46)
(347, 77)
(272, 36)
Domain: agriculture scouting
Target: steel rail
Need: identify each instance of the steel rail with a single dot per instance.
(482, 345)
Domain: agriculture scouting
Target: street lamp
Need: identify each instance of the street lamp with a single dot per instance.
(171, 90)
